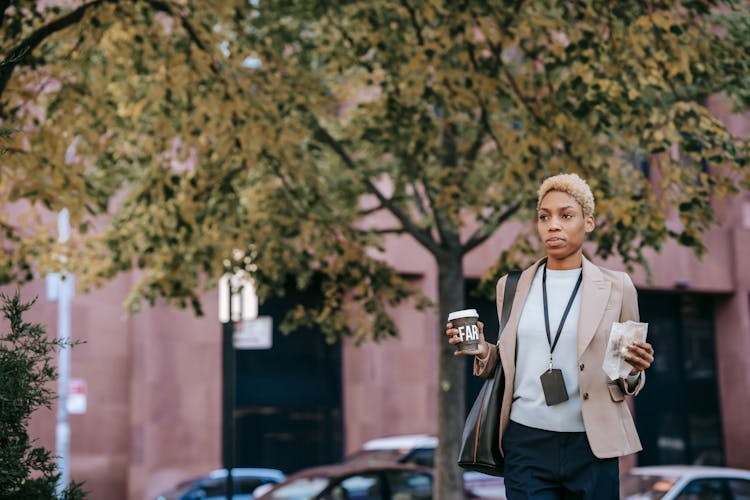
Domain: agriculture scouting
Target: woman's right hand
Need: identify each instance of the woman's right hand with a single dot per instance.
(483, 348)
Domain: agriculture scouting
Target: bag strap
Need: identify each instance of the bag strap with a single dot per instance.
(511, 282)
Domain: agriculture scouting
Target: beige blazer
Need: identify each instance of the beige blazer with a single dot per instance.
(606, 296)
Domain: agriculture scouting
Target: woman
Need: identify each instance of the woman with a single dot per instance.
(563, 423)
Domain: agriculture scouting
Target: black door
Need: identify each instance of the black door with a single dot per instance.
(288, 409)
(678, 412)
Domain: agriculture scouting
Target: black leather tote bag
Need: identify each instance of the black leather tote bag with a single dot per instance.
(480, 446)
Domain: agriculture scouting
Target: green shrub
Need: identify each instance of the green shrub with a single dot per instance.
(27, 471)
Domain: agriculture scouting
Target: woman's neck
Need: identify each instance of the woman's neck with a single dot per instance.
(571, 262)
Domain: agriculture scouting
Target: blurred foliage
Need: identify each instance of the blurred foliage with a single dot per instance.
(737, 71)
(27, 370)
(289, 138)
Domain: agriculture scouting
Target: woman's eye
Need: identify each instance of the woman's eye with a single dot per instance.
(543, 218)
(567, 216)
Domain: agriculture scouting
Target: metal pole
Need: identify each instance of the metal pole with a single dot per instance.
(228, 363)
(65, 296)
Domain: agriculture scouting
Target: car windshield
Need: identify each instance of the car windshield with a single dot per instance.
(645, 487)
(420, 456)
(303, 488)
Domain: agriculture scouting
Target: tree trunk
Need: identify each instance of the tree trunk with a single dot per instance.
(449, 484)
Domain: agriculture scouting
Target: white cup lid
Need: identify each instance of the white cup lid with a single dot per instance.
(466, 313)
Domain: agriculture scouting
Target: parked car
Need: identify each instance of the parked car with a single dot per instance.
(348, 481)
(407, 448)
(212, 486)
(685, 482)
(419, 449)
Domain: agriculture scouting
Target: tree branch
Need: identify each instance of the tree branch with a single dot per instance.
(275, 165)
(484, 116)
(473, 152)
(516, 90)
(4, 4)
(188, 27)
(497, 53)
(413, 18)
(392, 230)
(19, 53)
(420, 235)
(662, 67)
(439, 221)
(486, 122)
(485, 230)
(420, 202)
(351, 41)
(503, 24)
(370, 211)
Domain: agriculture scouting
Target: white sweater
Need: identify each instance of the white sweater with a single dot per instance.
(529, 407)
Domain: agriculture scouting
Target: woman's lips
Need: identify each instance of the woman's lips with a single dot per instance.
(555, 242)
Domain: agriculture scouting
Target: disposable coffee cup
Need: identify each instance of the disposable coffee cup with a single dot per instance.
(468, 331)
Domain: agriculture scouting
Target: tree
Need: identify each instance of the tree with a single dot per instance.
(26, 370)
(26, 471)
(290, 140)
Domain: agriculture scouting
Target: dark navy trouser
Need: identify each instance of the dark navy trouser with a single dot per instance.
(546, 465)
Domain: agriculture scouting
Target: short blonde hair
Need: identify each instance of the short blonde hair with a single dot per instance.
(573, 185)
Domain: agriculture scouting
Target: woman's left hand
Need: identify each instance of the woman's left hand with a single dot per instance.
(640, 356)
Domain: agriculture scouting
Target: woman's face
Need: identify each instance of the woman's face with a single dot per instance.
(562, 227)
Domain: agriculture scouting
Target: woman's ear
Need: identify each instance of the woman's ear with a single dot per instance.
(589, 224)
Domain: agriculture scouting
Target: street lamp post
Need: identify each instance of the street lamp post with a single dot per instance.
(229, 372)
(238, 303)
(60, 288)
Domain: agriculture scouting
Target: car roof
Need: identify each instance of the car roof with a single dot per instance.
(404, 441)
(343, 469)
(244, 472)
(689, 470)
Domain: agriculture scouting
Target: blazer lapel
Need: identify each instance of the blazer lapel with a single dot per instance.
(595, 290)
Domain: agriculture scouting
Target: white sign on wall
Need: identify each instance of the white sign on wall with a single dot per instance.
(77, 392)
(254, 333)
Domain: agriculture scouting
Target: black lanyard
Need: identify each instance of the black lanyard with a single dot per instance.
(552, 345)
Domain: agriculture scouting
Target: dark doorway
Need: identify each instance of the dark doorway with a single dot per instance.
(678, 412)
(288, 411)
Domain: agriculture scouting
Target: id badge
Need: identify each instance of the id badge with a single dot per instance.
(553, 386)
